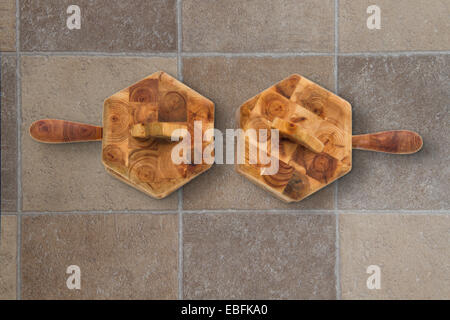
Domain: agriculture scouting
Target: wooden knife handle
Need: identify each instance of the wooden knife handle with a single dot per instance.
(62, 131)
(396, 141)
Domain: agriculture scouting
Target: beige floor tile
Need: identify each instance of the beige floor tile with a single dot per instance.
(119, 256)
(8, 25)
(229, 82)
(71, 177)
(402, 92)
(412, 252)
(405, 25)
(106, 26)
(258, 256)
(258, 26)
(8, 257)
(9, 134)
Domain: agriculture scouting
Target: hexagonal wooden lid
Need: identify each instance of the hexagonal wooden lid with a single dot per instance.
(315, 137)
(145, 163)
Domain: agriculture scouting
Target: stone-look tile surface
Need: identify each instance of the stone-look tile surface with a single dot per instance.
(412, 251)
(9, 134)
(258, 26)
(258, 256)
(405, 25)
(68, 177)
(112, 26)
(120, 256)
(388, 93)
(8, 25)
(8, 257)
(229, 82)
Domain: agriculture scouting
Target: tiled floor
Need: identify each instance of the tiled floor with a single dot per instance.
(220, 236)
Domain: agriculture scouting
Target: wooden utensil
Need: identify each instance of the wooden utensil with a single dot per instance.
(316, 141)
(138, 123)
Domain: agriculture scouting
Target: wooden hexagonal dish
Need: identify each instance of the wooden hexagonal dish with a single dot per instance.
(315, 138)
(138, 123)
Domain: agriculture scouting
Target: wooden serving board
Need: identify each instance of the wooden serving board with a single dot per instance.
(138, 122)
(315, 146)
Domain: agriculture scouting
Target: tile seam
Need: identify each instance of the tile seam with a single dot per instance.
(19, 156)
(392, 53)
(299, 211)
(336, 187)
(180, 191)
(227, 54)
(319, 211)
(18, 259)
(31, 213)
(101, 54)
(1, 95)
(300, 54)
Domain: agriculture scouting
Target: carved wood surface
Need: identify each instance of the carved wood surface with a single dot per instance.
(137, 124)
(162, 130)
(315, 146)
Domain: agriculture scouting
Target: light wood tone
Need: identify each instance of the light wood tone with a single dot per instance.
(318, 126)
(138, 122)
(315, 144)
(397, 141)
(161, 130)
(294, 133)
(61, 131)
(134, 121)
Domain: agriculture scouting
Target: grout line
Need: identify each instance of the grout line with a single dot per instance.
(396, 211)
(336, 187)
(180, 191)
(308, 54)
(7, 213)
(18, 110)
(180, 244)
(228, 54)
(255, 54)
(262, 211)
(337, 267)
(37, 213)
(1, 96)
(296, 211)
(319, 211)
(18, 259)
(180, 42)
(392, 53)
(100, 54)
(19, 155)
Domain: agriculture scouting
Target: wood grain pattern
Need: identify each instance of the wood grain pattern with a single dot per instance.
(316, 140)
(161, 130)
(298, 135)
(137, 125)
(315, 137)
(62, 131)
(396, 141)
